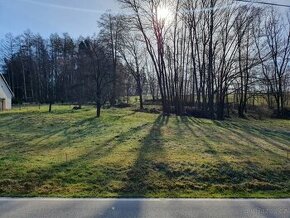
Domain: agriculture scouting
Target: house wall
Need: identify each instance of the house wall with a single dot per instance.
(1, 104)
(8, 104)
(6, 94)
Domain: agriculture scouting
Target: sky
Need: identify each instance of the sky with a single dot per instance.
(76, 17)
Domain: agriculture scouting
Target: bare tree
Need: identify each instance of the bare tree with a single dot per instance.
(133, 52)
(97, 66)
(274, 53)
(111, 33)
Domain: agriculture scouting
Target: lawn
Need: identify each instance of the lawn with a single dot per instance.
(129, 154)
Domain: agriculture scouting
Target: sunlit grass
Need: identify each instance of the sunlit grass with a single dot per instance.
(124, 153)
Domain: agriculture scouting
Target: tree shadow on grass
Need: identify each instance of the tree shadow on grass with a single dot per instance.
(37, 177)
(237, 134)
(42, 139)
(138, 183)
(58, 136)
(224, 172)
(276, 139)
(187, 122)
(279, 139)
(81, 128)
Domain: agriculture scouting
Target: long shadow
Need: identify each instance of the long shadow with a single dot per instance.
(234, 133)
(20, 123)
(258, 133)
(137, 182)
(35, 178)
(223, 172)
(179, 121)
(125, 115)
(204, 134)
(39, 175)
(42, 137)
(77, 130)
(268, 135)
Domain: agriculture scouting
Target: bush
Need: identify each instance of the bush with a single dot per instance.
(122, 105)
(196, 113)
(151, 110)
(286, 113)
(263, 112)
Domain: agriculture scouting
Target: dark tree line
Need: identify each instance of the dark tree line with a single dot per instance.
(195, 57)
(61, 69)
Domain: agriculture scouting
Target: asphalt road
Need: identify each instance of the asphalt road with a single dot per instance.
(161, 208)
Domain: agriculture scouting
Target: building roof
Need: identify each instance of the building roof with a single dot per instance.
(6, 83)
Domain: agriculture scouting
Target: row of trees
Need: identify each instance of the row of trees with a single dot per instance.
(204, 51)
(57, 69)
(191, 55)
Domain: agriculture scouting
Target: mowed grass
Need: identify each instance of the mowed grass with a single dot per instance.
(128, 154)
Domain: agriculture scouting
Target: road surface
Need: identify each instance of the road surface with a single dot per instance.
(161, 208)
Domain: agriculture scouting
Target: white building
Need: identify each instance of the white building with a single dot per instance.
(6, 94)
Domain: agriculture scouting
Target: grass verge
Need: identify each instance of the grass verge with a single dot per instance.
(129, 154)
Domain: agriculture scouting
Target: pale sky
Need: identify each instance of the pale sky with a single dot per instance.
(77, 17)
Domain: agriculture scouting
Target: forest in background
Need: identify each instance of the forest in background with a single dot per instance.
(195, 58)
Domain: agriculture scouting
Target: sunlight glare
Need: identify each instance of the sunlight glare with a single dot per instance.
(163, 14)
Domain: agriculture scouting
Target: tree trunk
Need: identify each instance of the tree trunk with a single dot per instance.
(24, 81)
(50, 107)
(140, 91)
(141, 100)
(98, 110)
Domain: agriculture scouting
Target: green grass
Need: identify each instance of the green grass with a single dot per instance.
(128, 154)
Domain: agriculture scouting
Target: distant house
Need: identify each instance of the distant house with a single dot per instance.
(6, 94)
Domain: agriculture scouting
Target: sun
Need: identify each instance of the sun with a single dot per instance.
(163, 14)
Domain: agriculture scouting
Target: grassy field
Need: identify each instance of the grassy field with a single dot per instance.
(128, 154)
